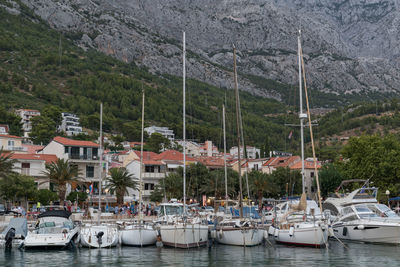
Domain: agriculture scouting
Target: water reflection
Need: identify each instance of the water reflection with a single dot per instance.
(276, 255)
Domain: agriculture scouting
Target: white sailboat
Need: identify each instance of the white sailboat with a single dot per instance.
(237, 231)
(181, 230)
(297, 227)
(139, 234)
(100, 235)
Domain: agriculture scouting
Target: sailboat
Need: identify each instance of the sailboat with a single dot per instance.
(300, 225)
(100, 235)
(178, 229)
(139, 234)
(237, 231)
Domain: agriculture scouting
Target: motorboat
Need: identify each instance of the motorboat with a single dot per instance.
(138, 234)
(15, 233)
(180, 230)
(54, 229)
(99, 236)
(358, 216)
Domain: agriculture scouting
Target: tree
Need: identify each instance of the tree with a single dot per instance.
(81, 196)
(119, 182)
(285, 178)
(173, 185)
(44, 127)
(261, 183)
(330, 178)
(44, 196)
(157, 194)
(62, 173)
(157, 142)
(373, 157)
(6, 164)
(18, 187)
(12, 120)
(216, 184)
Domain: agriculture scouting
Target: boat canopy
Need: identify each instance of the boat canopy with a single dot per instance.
(55, 213)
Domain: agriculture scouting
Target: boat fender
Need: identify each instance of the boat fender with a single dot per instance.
(220, 233)
(9, 238)
(330, 232)
(213, 234)
(271, 230)
(344, 231)
(291, 231)
(265, 234)
(276, 233)
(100, 237)
(360, 227)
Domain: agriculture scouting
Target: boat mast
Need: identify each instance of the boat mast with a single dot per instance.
(225, 167)
(302, 115)
(100, 160)
(141, 165)
(238, 133)
(184, 122)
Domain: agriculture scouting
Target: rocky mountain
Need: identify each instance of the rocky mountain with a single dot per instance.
(350, 46)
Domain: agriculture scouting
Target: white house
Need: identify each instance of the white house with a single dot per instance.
(26, 116)
(70, 124)
(34, 165)
(252, 152)
(152, 172)
(164, 131)
(84, 154)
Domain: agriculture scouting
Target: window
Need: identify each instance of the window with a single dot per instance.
(312, 174)
(66, 149)
(25, 168)
(148, 186)
(90, 171)
(10, 142)
(149, 168)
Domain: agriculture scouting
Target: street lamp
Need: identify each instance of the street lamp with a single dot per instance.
(387, 194)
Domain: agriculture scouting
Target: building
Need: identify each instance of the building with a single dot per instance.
(206, 149)
(152, 172)
(309, 174)
(26, 116)
(252, 152)
(84, 154)
(70, 124)
(34, 165)
(4, 129)
(276, 162)
(174, 159)
(12, 143)
(164, 131)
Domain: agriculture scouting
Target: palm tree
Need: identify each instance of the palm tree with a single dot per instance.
(119, 182)
(261, 183)
(62, 173)
(6, 163)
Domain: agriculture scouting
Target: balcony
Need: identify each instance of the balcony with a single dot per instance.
(153, 175)
(17, 148)
(82, 157)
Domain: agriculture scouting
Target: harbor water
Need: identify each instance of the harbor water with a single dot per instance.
(356, 254)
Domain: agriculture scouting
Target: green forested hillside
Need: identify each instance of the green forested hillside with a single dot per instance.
(35, 72)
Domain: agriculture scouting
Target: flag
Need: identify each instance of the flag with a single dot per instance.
(91, 188)
(290, 135)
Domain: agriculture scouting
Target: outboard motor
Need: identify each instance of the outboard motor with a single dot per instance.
(9, 238)
(100, 237)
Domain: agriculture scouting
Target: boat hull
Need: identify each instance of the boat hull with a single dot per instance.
(60, 241)
(89, 238)
(247, 236)
(138, 236)
(184, 235)
(304, 235)
(371, 233)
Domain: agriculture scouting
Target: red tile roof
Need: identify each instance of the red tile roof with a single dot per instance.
(48, 158)
(10, 136)
(70, 142)
(152, 162)
(32, 149)
(277, 162)
(173, 155)
(211, 161)
(307, 165)
(146, 154)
